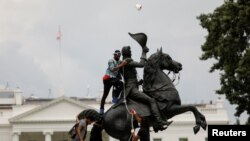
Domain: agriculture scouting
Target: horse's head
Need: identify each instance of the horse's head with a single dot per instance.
(167, 63)
(158, 61)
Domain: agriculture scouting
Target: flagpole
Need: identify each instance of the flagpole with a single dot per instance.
(59, 35)
(60, 46)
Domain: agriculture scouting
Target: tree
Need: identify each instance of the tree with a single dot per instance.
(227, 43)
(237, 121)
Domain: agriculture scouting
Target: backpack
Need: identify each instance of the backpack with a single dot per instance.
(72, 131)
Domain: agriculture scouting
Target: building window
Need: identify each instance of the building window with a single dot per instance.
(183, 139)
(157, 139)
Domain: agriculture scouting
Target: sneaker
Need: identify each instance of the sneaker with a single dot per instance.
(114, 100)
(101, 111)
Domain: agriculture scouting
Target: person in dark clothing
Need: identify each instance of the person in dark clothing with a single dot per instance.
(142, 131)
(96, 132)
(112, 78)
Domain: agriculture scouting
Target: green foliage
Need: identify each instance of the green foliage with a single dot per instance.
(228, 43)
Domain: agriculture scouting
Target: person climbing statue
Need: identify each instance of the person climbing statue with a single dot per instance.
(112, 78)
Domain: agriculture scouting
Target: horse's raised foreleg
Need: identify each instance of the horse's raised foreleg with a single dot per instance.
(199, 118)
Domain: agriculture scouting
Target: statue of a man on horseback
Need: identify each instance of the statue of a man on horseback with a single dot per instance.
(131, 91)
(159, 100)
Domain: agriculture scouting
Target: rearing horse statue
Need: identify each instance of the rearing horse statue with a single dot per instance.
(118, 122)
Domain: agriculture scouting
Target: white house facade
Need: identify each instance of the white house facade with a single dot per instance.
(50, 119)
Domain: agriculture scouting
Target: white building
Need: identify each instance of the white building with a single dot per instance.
(36, 119)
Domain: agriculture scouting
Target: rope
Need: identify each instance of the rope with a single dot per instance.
(179, 75)
(174, 78)
(124, 92)
(126, 105)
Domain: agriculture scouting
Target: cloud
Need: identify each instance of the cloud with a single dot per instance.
(92, 30)
(21, 71)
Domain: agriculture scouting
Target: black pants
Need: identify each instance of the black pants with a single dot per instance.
(144, 134)
(96, 133)
(117, 88)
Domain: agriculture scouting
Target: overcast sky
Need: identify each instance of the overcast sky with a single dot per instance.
(91, 31)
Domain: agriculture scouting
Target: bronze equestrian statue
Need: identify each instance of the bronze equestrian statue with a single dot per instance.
(157, 85)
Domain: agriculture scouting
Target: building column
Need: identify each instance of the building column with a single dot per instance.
(15, 136)
(48, 135)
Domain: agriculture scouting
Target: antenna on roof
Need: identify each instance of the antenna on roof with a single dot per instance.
(50, 93)
(88, 90)
(7, 85)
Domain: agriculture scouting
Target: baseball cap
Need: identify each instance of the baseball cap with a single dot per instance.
(117, 52)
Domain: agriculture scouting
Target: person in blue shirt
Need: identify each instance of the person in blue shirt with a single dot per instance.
(112, 78)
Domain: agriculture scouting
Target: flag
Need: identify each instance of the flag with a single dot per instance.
(59, 35)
